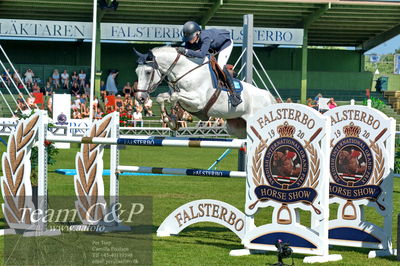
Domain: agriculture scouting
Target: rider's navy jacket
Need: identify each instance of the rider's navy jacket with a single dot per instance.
(215, 39)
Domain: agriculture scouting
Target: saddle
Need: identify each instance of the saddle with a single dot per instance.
(223, 80)
(221, 83)
(220, 76)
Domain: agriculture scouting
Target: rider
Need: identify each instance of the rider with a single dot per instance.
(198, 43)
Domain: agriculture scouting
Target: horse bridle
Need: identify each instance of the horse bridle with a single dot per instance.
(172, 84)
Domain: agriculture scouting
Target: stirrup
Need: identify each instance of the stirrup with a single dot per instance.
(235, 99)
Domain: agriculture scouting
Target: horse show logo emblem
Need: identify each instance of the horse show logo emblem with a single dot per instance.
(286, 171)
(62, 119)
(355, 173)
(285, 160)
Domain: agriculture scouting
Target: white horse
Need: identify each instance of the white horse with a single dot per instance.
(192, 85)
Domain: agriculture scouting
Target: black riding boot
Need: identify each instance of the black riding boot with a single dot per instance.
(233, 96)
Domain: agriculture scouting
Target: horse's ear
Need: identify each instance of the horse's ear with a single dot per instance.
(150, 56)
(138, 53)
(141, 57)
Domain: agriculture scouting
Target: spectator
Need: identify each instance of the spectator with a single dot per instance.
(31, 102)
(278, 100)
(211, 121)
(129, 109)
(219, 121)
(119, 103)
(74, 77)
(98, 114)
(136, 103)
(65, 80)
(137, 116)
(6, 78)
(103, 92)
(21, 86)
(29, 77)
(48, 88)
(50, 105)
(84, 111)
(128, 100)
(289, 100)
(75, 89)
(127, 90)
(186, 117)
(95, 104)
(82, 78)
(87, 89)
(15, 77)
(311, 103)
(20, 101)
(111, 86)
(35, 88)
(147, 107)
(134, 88)
(84, 100)
(162, 120)
(76, 114)
(77, 102)
(332, 104)
(316, 99)
(56, 78)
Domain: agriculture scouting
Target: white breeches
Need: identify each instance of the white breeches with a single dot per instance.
(224, 54)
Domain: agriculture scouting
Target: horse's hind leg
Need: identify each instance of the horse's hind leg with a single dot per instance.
(236, 127)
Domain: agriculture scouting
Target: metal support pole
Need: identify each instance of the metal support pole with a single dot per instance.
(241, 160)
(15, 71)
(42, 171)
(304, 57)
(114, 162)
(398, 236)
(247, 59)
(93, 60)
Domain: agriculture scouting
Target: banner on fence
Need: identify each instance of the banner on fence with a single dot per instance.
(135, 32)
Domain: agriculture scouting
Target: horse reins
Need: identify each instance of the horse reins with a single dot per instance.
(151, 88)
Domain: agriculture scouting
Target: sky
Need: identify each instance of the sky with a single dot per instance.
(387, 47)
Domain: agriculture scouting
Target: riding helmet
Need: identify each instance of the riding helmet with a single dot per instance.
(189, 30)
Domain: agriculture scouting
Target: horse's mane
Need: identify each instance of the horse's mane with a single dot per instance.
(165, 48)
(169, 49)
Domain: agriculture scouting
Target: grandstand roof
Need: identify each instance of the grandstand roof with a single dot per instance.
(364, 24)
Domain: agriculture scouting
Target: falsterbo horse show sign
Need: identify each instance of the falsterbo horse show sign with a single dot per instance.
(361, 166)
(287, 163)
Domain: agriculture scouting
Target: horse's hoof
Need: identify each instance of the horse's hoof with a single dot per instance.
(174, 125)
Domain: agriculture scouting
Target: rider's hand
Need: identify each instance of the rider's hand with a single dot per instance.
(181, 50)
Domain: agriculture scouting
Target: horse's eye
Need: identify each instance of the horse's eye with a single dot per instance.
(148, 72)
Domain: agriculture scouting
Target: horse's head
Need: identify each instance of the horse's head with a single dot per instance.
(149, 76)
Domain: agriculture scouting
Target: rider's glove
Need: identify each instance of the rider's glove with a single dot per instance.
(181, 50)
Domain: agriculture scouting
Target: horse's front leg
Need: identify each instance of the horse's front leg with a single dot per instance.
(161, 98)
(172, 119)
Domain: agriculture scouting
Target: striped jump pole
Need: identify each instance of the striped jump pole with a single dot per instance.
(180, 171)
(155, 141)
